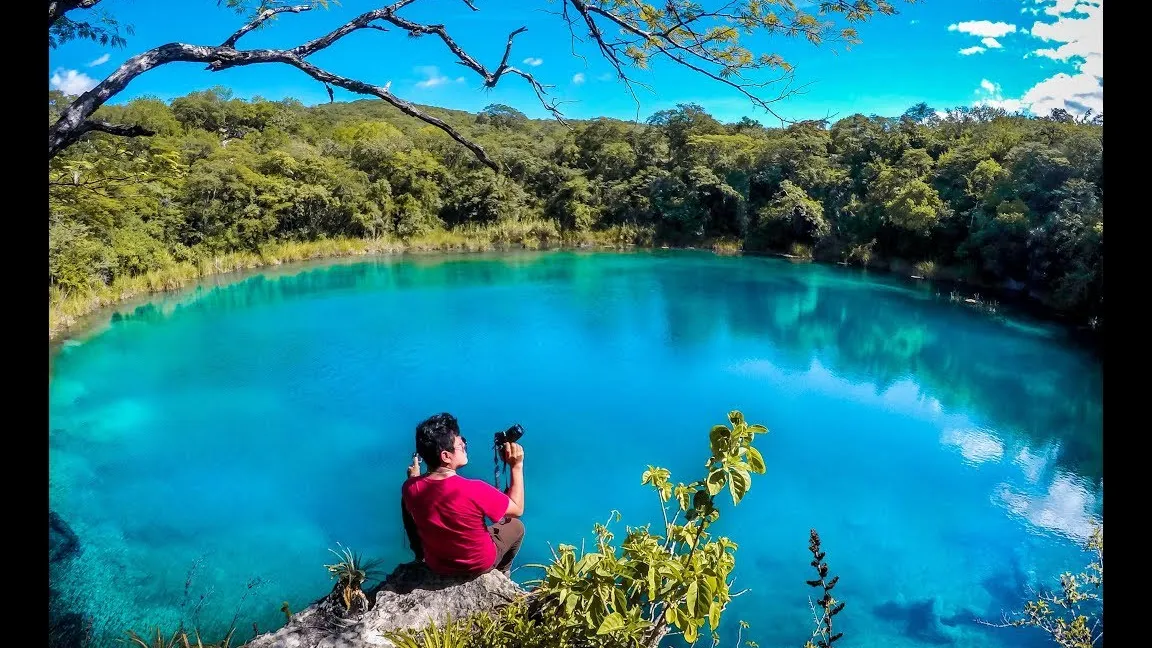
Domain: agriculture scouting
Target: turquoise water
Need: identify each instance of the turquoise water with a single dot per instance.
(949, 460)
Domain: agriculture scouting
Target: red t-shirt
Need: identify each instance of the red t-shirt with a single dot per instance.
(449, 516)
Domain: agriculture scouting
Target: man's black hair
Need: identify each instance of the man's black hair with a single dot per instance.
(435, 434)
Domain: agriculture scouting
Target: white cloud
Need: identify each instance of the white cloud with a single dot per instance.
(1079, 31)
(1060, 7)
(1093, 65)
(607, 76)
(578, 78)
(101, 60)
(975, 49)
(533, 61)
(1074, 93)
(990, 43)
(71, 82)
(432, 76)
(1081, 36)
(983, 28)
(459, 79)
(988, 85)
(913, 21)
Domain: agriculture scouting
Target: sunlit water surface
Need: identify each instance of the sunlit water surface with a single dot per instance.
(210, 448)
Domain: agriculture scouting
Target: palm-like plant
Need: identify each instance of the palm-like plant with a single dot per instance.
(350, 573)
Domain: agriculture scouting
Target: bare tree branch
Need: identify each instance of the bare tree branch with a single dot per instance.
(74, 122)
(125, 130)
(541, 92)
(644, 30)
(264, 15)
(57, 8)
(664, 43)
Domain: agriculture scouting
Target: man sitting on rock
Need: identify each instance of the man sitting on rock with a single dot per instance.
(444, 513)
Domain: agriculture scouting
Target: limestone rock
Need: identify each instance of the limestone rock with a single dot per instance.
(410, 597)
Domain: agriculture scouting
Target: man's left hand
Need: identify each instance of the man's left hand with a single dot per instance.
(414, 469)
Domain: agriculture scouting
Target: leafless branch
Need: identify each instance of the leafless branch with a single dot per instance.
(74, 122)
(124, 130)
(57, 8)
(264, 15)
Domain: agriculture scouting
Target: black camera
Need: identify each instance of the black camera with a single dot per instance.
(511, 435)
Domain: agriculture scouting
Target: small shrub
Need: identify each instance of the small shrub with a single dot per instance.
(926, 269)
(800, 251)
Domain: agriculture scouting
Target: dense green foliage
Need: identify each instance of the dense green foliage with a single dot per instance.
(977, 194)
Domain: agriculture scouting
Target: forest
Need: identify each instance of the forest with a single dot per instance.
(1001, 201)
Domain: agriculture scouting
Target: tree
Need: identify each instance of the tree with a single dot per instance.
(500, 115)
(627, 35)
(790, 216)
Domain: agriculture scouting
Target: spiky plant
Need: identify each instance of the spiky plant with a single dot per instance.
(159, 642)
(179, 639)
(822, 636)
(350, 573)
(450, 635)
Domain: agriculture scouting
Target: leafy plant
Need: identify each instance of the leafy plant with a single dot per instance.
(1074, 616)
(822, 636)
(654, 583)
(350, 573)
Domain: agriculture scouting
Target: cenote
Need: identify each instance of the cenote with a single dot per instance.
(209, 448)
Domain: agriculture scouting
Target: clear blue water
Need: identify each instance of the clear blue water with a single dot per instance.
(948, 459)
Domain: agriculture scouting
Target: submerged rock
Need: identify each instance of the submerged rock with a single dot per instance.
(411, 597)
(62, 540)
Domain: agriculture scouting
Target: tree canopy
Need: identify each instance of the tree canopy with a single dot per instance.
(628, 35)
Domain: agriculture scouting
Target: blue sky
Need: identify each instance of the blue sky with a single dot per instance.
(1020, 54)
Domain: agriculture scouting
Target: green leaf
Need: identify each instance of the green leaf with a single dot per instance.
(588, 562)
(719, 438)
(714, 615)
(684, 497)
(756, 461)
(716, 482)
(691, 634)
(690, 597)
(612, 623)
(741, 482)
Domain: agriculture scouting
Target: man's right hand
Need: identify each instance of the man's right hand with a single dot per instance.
(513, 454)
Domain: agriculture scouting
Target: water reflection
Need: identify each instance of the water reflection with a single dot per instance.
(976, 446)
(871, 330)
(1067, 507)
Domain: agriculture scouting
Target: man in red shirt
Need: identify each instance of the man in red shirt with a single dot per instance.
(444, 513)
